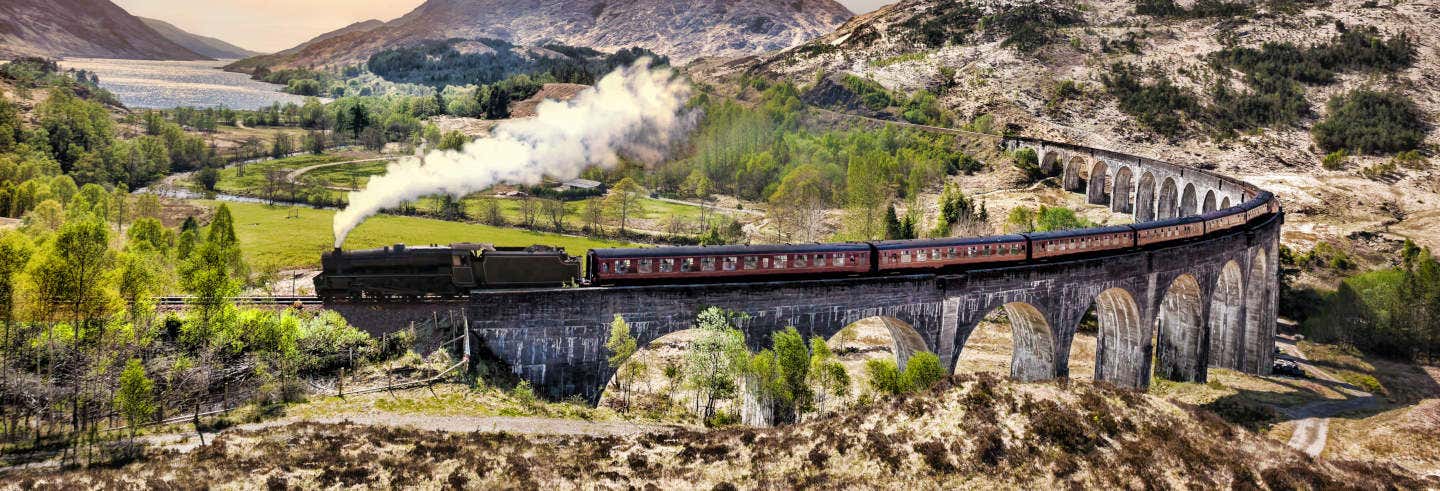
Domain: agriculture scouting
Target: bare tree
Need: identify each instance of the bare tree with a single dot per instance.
(554, 210)
(274, 182)
(529, 209)
(490, 211)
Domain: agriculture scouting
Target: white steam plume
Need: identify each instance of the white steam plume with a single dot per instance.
(633, 109)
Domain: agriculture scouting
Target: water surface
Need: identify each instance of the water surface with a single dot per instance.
(146, 84)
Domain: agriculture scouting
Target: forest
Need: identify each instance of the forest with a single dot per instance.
(1393, 312)
(766, 153)
(86, 350)
(439, 63)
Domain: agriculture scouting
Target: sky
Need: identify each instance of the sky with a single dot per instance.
(273, 25)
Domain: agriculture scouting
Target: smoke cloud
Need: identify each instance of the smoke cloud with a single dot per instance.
(634, 110)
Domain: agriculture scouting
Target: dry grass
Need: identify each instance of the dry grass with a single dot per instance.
(1408, 436)
(971, 432)
(1399, 382)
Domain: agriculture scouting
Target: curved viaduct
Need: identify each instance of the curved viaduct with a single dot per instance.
(1182, 308)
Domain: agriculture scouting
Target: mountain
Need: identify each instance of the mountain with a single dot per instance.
(313, 47)
(207, 46)
(81, 28)
(1206, 84)
(681, 29)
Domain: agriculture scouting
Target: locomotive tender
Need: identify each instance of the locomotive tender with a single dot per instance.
(453, 271)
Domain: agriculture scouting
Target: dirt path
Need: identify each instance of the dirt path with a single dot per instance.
(1313, 427)
(713, 207)
(295, 174)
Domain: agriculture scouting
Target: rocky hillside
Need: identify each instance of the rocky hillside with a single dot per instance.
(971, 433)
(81, 28)
(682, 30)
(206, 46)
(1094, 73)
(320, 46)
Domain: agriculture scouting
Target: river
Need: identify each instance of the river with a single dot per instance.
(144, 84)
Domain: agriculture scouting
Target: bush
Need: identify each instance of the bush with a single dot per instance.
(1159, 104)
(1335, 160)
(923, 371)
(305, 87)
(1371, 122)
(1203, 9)
(208, 178)
(874, 95)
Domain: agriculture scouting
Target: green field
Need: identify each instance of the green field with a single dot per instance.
(294, 237)
(252, 180)
(345, 176)
(652, 209)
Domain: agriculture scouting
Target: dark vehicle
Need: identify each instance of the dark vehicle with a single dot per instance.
(399, 272)
(1288, 368)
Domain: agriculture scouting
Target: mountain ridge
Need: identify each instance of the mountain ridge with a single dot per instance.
(698, 28)
(204, 45)
(82, 28)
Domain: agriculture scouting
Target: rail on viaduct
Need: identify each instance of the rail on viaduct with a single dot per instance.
(1172, 312)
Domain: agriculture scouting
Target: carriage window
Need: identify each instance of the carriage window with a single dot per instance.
(905, 256)
(819, 260)
(970, 252)
(950, 254)
(730, 263)
(645, 265)
(707, 264)
(667, 265)
(622, 267)
(751, 262)
(604, 266)
(935, 254)
(839, 260)
(800, 261)
(781, 261)
(687, 265)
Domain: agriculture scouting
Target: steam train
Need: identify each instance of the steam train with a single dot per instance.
(399, 272)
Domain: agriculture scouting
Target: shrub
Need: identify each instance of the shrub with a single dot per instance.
(1202, 9)
(1159, 104)
(885, 376)
(1335, 160)
(923, 371)
(1411, 159)
(1029, 163)
(1370, 122)
(874, 95)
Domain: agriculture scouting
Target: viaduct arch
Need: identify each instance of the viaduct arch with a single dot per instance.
(1171, 311)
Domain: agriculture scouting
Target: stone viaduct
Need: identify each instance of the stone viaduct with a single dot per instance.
(1182, 308)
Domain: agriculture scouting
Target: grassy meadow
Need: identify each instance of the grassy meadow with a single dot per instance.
(294, 237)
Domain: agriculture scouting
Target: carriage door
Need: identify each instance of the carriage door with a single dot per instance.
(460, 272)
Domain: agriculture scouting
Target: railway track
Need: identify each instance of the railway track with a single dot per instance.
(246, 300)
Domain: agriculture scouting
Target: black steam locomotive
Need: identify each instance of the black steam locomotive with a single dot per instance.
(453, 271)
(400, 272)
